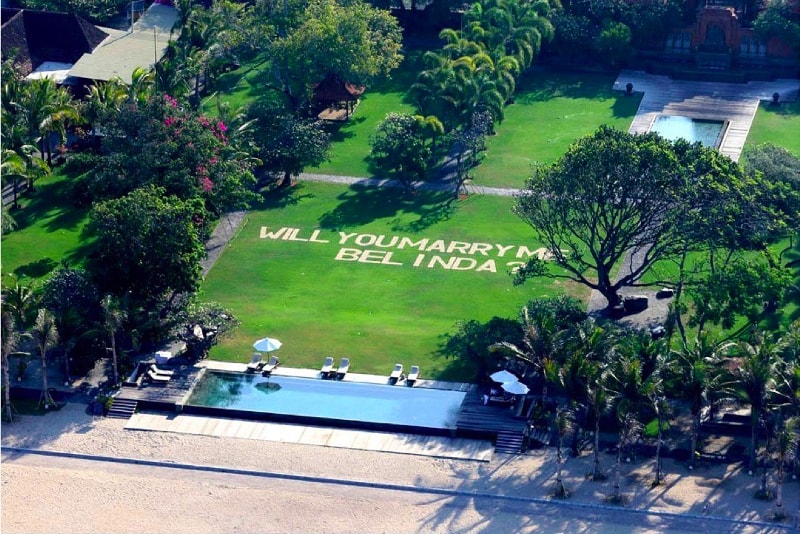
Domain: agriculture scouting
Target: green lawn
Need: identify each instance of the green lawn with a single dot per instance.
(779, 125)
(49, 231)
(375, 313)
(552, 110)
(350, 147)
(239, 87)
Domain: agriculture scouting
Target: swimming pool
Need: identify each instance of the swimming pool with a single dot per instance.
(673, 127)
(316, 401)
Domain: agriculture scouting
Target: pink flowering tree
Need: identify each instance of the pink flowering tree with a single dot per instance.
(163, 143)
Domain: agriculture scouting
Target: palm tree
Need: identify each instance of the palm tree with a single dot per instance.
(104, 99)
(22, 164)
(786, 442)
(598, 399)
(629, 431)
(697, 373)
(562, 423)
(757, 366)
(48, 108)
(19, 299)
(141, 86)
(114, 317)
(8, 344)
(573, 377)
(45, 334)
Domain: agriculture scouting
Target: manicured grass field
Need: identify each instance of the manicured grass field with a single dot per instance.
(350, 148)
(779, 125)
(49, 231)
(375, 313)
(552, 110)
(240, 87)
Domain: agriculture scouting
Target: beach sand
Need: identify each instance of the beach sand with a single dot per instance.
(29, 493)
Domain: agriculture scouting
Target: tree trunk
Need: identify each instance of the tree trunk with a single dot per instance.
(779, 485)
(754, 418)
(560, 491)
(658, 451)
(7, 389)
(694, 439)
(596, 470)
(617, 473)
(114, 359)
(575, 436)
(45, 398)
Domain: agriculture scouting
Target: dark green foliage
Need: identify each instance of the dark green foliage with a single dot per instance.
(285, 143)
(780, 20)
(399, 149)
(97, 11)
(146, 246)
(471, 341)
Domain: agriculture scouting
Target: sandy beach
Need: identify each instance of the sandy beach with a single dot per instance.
(45, 494)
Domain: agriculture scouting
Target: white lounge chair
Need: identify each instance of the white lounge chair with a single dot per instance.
(270, 366)
(327, 367)
(157, 379)
(255, 363)
(397, 372)
(344, 366)
(413, 374)
(162, 372)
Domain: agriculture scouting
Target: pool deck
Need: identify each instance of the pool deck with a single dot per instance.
(166, 401)
(414, 444)
(733, 102)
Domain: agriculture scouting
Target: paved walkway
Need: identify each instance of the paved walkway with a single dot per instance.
(435, 446)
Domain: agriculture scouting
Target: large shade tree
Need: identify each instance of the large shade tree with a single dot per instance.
(613, 196)
(352, 40)
(146, 246)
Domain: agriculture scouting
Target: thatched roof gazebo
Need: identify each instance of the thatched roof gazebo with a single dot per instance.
(337, 97)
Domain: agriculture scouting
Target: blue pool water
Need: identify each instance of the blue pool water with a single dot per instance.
(328, 399)
(674, 127)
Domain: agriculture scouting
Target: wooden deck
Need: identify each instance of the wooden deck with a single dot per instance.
(735, 103)
(475, 419)
(167, 395)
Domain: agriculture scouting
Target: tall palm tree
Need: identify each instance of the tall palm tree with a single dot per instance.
(599, 401)
(9, 339)
(114, 317)
(19, 299)
(786, 440)
(141, 86)
(104, 99)
(573, 377)
(698, 375)
(48, 108)
(45, 334)
(22, 164)
(756, 368)
(630, 429)
(562, 424)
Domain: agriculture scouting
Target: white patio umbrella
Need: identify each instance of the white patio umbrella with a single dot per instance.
(515, 388)
(267, 344)
(503, 376)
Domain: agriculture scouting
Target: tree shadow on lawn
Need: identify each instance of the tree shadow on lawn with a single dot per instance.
(51, 202)
(360, 205)
(546, 84)
(339, 131)
(278, 197)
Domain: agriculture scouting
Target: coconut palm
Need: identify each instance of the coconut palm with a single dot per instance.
(786, 441)
(697, 373)
(9, 340)
(598, 400)
(104, 99)
(141, 86)
(114, 317)
(562, 424)
(45, 334)
(429, 91)
(48, 108)
(19, 299)
(630, 429)
(756, 366)
(573, 377)
(22, 164)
